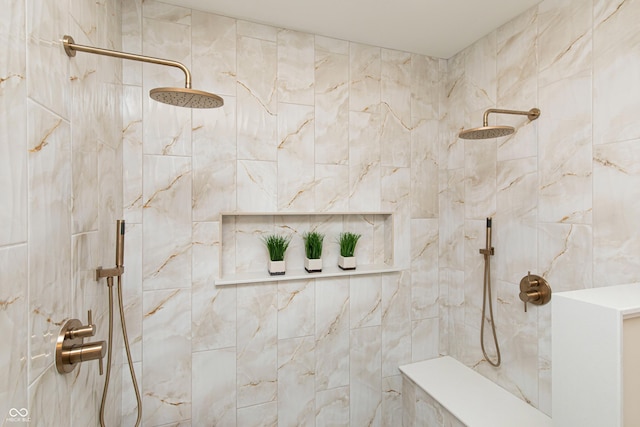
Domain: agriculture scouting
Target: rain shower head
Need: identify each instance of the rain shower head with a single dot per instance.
(487, 132)
(180, 97)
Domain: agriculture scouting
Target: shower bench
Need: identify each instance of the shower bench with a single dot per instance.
(444, 392)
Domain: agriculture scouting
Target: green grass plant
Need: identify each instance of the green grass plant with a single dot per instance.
(313, 244)
(276, 245)
(348, 242)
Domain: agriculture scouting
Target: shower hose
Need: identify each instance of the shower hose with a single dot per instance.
(486, 295)
(126, 346)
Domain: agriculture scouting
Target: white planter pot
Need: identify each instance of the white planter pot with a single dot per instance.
(276, 268)
(347, 263)
(313, 265)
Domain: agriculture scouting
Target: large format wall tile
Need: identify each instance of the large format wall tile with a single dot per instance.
(14, 327)
(615, 217)
(167, 357)
(61, 184)
(13, 117)
(167, 222)
(615, 71)
(50, 228)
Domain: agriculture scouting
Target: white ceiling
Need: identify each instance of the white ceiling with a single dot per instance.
(439, 28)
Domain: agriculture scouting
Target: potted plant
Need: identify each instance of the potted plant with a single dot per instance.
(313, 251)
(348, 242)
(276, 245)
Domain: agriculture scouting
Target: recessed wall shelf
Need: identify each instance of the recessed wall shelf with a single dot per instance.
(243, 256)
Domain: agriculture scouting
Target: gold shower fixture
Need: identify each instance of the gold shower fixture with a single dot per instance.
(180, 97)
(486, 131)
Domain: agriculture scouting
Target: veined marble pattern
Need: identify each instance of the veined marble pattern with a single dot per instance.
(453, 114)
(473, 286)
(424, 269)
(424, 170)
(451, 223)
(50, 225)
(131, 33)
(14, 326)
(426, 85)
(296, 66)
(365, 300)
(214, 53)
(396, 326)
(214, 161)
(547, 206)
(395, 93)
(257, 121)
(331, 102)
(166, 385)
(392, 401)
(214, 387)
(615, 219)
(565, 145)
(264, 415)
(13, 116)
(563, 251)
(132, 152)
(365, 74)
(480, 170)
(296, 309)
(213, 316)
(331, 189)
(296, 180)
(132, 289)
(62, 181)
(515, 220)
(364, 161)
(47, 66)
(424, 339)
(257, 357)
(256, 186)
(332, 333)
(517, 83)
(421, 409)
(565, 39)
(395, 191)
(167, 230)
(480, 79)
(332, 407)
(296, 382)
(167, 129)
(614, 71)
(365, 377)
(166, 12)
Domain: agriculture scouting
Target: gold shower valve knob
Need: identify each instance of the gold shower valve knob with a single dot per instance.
(534, 289)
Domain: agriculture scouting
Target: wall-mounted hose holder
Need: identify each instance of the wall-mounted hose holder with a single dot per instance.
(534, 290)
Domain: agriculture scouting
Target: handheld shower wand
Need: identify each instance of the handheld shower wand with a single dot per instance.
(486, 295)
(110, 273)
(120, 243)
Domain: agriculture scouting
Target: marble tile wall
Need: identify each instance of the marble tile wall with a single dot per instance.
(309, 124)
(562, 190)
(61, 193)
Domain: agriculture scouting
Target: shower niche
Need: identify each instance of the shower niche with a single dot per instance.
(243, 255)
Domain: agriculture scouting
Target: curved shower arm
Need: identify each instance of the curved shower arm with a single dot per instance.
(70, 47)
(532, 114)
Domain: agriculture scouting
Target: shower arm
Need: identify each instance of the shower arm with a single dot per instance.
(532, 114)
(70, 47)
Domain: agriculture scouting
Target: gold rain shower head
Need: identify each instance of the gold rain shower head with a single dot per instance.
(180, 97)
(486, 131)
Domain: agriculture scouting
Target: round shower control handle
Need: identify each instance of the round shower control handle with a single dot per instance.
(535, 290)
